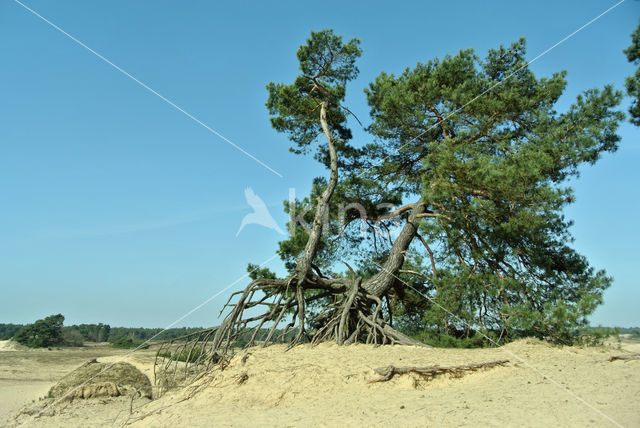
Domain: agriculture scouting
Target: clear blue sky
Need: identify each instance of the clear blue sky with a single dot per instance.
(117, 208)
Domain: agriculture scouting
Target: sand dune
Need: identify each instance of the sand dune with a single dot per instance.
(329, 385)
(10, 345)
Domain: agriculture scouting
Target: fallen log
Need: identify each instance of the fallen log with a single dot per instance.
(429, 372)
(625, 357)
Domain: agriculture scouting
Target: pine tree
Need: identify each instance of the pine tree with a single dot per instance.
(42, 333)
(633, 82)
(479, 144)
(469, 162)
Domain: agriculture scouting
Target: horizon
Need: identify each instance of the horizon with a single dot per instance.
(628, 327)
(121, 209)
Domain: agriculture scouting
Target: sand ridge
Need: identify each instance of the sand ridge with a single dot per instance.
(329, 385)
(10, 345)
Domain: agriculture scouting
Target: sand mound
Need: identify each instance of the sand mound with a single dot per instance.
(10, 345)
(330, 385)
(120, 379)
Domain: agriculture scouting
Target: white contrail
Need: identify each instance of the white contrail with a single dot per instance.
(171, 103)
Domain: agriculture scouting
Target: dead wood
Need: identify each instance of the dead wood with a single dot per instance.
(430, 372)
(242, 378)
(627, 357)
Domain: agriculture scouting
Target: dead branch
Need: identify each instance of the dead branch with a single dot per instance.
(133, 396)
(431, 257)
(242, 378)
(430, 372)
(395, 213)
(627, 357)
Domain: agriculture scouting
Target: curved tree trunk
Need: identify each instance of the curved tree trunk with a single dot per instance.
(311, 249)
(379, 284)
(354, 315)
(350, 310)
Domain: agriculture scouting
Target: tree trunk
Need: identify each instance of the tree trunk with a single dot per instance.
(379, 284)
(311, 249)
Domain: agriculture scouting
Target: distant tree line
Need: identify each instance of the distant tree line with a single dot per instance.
(51, 331)
(7, 331)
(128, 337)
(142, 334)
(92, 332)
(634, 331)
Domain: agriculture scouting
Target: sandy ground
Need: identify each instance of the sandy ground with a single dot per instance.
(542, 385)
(26, 375)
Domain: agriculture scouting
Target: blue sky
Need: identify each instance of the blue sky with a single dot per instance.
(115, 207)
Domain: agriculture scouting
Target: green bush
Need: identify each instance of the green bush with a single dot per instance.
(125, 342)
(593, 336)
(443, 340)
(195, 354)
(42, 333)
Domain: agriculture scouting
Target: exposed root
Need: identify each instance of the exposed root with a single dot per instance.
(181, 359)
(430, 372)
(271, 311)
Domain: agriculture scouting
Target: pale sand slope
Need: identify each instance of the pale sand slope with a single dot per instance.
(10, 345)
(329, 386)
(26, 375)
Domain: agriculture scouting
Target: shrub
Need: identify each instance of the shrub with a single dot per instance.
(195, 354)
(42, 333)
(125, 342)
(444, 340)
(72, 337)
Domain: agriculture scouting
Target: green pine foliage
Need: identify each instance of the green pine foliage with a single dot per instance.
(633, 82)
(481, 143)
(478, 141)
(42, 333)
(327, 64)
